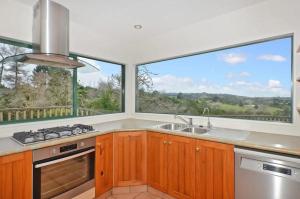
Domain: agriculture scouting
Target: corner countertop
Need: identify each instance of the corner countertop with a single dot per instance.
(263, 141)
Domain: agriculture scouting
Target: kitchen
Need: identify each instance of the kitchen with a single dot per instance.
(106, 100)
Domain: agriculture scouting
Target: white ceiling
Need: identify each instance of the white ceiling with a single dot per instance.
(116, 18)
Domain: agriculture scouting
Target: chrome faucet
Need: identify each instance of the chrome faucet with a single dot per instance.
(209, 125)
(189, 121)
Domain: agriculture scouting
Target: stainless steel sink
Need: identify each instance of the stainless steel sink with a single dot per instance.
(214, 132)
(183, 128)
(172, 126)
(196, 130)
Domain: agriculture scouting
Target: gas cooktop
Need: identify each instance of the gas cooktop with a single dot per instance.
(41, 135)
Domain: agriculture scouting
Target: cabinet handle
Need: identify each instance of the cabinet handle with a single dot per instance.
(170, 143)
(165, 142)
(197, 149)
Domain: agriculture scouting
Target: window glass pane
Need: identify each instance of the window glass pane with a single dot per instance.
(248, 82)
(30, 92)
(99, 88)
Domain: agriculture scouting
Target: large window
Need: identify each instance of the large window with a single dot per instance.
(34, 92)
(250, 82)
(100, 88)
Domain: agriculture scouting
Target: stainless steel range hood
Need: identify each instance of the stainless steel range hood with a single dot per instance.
(50, 37)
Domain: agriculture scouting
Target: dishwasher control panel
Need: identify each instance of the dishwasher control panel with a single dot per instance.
(270, 164)
(270, 168)
(282, 170)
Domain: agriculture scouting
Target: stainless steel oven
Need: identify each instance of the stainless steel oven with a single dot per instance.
(63, 171)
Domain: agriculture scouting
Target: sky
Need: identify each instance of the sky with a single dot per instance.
(256, 70)
(88, 76)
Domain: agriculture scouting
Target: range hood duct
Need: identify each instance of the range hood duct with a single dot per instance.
(50, 37)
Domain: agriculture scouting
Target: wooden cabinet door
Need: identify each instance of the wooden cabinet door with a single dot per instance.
(157, 161)
(214, 170)
(181, 167)
(16, 176)
(130, 158)
(104, 164)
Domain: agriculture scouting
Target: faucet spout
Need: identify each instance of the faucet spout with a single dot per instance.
(188, 121)
(209, 125)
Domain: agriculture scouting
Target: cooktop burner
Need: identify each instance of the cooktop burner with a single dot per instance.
(31, 137)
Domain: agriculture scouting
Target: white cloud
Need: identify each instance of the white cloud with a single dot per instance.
(233, 58)
(270, 57)
(173, 84)
(274, 84)
(238, 75)
(271, 88)
(245, 74)
(91, 79)
(170, 83)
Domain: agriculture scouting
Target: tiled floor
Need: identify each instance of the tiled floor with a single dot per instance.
(143, 195)
(133, 192)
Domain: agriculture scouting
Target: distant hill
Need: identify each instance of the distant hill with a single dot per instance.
(230, 99)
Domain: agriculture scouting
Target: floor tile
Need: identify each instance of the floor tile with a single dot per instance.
(120, 190)
(125, 196)
(146, 195)
(138, 189)
(143, 192)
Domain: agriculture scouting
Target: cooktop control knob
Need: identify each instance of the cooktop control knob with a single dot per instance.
(77, 131)
(82, 144)
(53, 151)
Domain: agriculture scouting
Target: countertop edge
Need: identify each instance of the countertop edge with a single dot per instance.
(117, 130)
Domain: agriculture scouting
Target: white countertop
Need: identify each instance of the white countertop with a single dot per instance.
(264, 141)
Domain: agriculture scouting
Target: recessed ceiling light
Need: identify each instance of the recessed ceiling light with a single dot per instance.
(138, 26)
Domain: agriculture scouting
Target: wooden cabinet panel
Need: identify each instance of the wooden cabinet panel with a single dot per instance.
(130, 158)
(104, 164)
(16, 176)
(181, 167)
(157, 161)
(214, 170)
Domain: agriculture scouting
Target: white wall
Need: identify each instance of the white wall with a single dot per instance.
(264, 20)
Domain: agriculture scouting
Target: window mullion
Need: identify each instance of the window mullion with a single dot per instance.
(74, 96)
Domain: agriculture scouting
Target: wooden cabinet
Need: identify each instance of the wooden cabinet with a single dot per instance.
(104, 164)
(214, 170)
(130, 158)
(157, 161)
(171, 164)
(181, 167)
(16, 176)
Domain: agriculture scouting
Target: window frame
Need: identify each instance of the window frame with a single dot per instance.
(289, 35)
(74, 99)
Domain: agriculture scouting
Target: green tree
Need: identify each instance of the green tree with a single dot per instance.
(15, 72)
(60, 86)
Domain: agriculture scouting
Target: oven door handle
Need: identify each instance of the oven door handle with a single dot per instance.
(64, 159)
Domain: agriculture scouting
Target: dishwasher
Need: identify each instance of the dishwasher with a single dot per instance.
(262, 175)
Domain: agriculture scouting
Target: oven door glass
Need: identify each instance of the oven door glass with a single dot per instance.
(58, 178)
